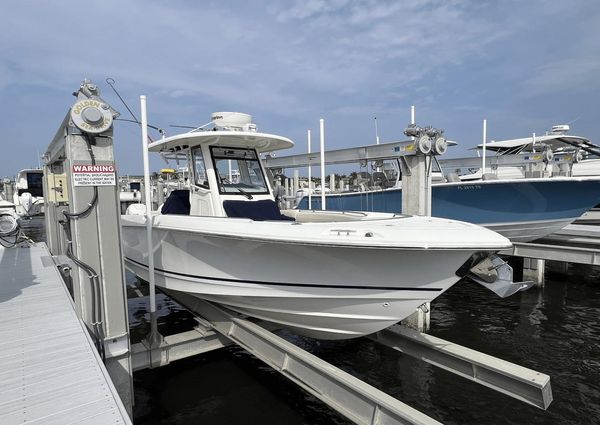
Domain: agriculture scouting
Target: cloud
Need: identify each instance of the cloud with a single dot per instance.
(282, 55)
(564, 75)
(292, 62)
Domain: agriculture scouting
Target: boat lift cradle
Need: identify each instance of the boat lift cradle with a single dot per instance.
(353, 398)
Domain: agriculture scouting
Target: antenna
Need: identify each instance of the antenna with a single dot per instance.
(376, 131)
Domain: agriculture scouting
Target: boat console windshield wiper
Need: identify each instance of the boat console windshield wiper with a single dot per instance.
(242, 191)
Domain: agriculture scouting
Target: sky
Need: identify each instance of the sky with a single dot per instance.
(522, 65)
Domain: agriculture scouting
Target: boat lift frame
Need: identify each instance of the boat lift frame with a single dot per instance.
(382, 151)
(404, 149)
(94, 268)
(353, 398)
(415, 156)
(528, 161)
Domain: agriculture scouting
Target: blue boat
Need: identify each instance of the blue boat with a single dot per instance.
(521, 209)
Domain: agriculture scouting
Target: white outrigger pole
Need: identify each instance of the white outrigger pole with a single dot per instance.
(484, 144)
(322, 135)
(154, 338)
(309, 176)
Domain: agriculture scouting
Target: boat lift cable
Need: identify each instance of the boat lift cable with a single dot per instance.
(160, 130)
(93, 277)
(437, 162)
(111, 82)
(97, 330)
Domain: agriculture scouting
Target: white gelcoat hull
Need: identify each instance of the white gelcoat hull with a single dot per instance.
(330, 292)
(528, 231)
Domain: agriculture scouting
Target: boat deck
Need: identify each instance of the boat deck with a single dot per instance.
(50, 371)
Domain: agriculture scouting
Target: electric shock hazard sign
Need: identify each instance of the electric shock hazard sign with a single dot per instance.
(94, 175)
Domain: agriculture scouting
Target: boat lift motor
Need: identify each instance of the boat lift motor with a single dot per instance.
(416, 169)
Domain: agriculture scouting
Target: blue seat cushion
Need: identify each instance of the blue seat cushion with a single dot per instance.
(265, 209)
(178, 202)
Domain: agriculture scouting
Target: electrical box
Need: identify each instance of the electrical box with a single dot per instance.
(57, 188)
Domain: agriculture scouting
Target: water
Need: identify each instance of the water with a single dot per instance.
(554, 330)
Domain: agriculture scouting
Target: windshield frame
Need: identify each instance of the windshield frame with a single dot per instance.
(240, 188)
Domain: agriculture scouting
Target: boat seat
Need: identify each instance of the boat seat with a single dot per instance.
(452, 178)
(489, 176)
(178, 202)
(262, 210)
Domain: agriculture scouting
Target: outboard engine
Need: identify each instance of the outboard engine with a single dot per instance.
(26, 201)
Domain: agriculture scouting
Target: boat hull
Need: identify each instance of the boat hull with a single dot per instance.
(522, 210)
(322, 291)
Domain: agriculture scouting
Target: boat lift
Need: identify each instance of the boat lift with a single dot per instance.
(353, 398)
(533, 163)
(415, 158)
(89, 241)
(83, 227)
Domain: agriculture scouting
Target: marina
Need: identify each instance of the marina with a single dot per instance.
(323, 212)
(208, 243)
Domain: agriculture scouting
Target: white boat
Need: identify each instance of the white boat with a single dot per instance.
(29, 194)
(331, 275)
(585, 154)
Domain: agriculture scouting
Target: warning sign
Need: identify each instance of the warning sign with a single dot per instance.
(94, 175)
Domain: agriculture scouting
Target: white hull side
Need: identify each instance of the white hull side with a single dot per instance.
(527, 231)
(588, 167)
(329, 292)
(590, 217)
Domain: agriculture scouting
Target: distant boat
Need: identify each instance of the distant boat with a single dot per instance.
(585, 154)
(331, 275)
(520, 209)
(29, 193)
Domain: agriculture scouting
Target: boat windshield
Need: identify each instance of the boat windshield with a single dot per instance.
(238, 171)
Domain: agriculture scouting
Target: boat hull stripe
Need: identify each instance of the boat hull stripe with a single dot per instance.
(300, 285)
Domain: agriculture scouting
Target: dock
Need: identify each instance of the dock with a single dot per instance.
(50, 370)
